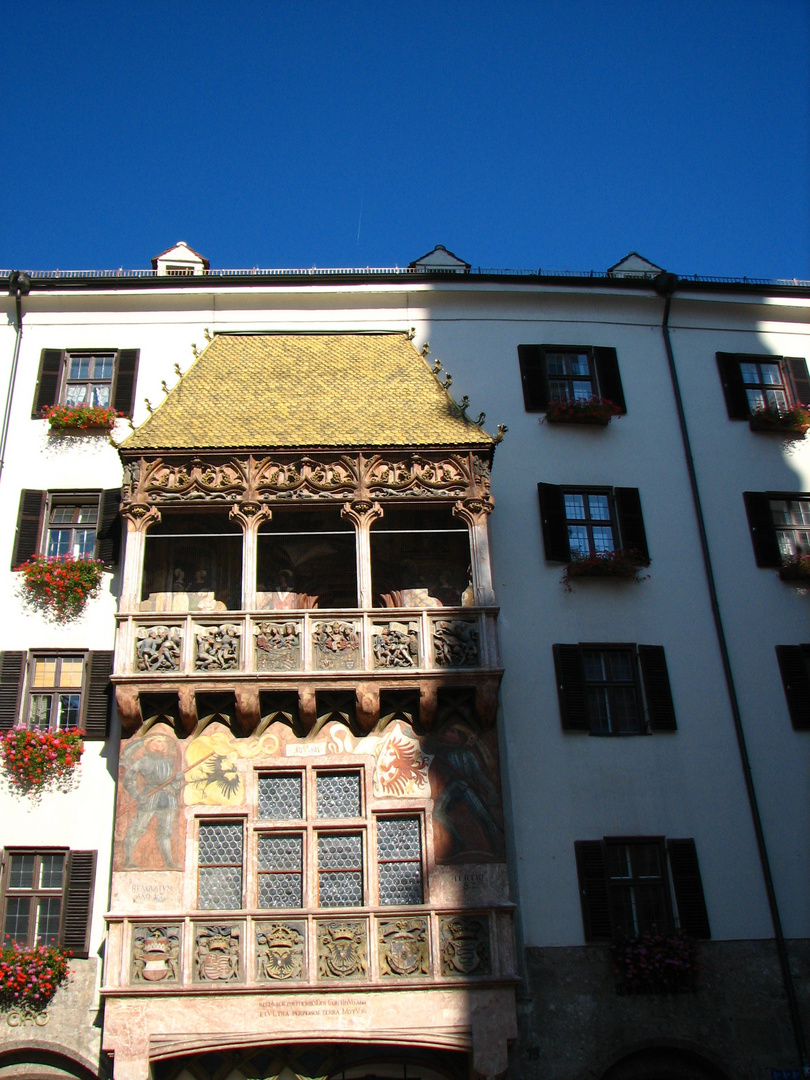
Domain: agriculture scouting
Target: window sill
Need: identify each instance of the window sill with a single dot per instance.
(770, 424)
(796, 570)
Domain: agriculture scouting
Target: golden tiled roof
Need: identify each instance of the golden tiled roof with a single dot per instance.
(307, 390)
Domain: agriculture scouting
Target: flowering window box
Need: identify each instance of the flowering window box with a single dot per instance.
(796, 569)
(793, 421)
(75, 418)
(59, 587)
(29, 977)
(622, 565)
(594, 410)
(36, 762)
(656, 963)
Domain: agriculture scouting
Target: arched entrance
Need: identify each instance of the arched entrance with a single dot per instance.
(664, 1063)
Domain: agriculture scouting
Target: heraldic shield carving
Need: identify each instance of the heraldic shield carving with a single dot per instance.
(280, 950)
(465, 946)
(342, 950)
(403, 947)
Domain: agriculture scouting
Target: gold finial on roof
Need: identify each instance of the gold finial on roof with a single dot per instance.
(178, 371)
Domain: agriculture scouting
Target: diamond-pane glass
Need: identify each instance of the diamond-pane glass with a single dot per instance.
(221, 887)
(400, 883)
(344, 889)
(398, 838)
(280, 891)
(338, 795)
(340, 865)
(280, 798)
(342, 852)
(221, 844)
(280, 853)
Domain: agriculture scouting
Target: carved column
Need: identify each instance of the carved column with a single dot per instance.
(138, 516)
(475, 512)
(250, 514)
(363, 513)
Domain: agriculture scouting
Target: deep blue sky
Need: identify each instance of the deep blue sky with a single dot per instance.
(558, 133)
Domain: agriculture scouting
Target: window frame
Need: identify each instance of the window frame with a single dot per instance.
(34, 517)
(604, 367)
(764, 530)
(78, 882)
(793, 369)
(16, 686)
(626, 520)
(53, 378)
(36, 892)
(56, 690)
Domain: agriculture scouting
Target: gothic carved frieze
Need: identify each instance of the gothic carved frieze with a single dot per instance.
(455, 643)
(336, 645)
(156, 954)
(216, 954)
(465, 945)
(307, 478)
(417, 475)
(342, 949)
(278, 646)
(280, 950)
(217, 647)
(193, 481)
(158, 648)
(395, 645)
(403, 945)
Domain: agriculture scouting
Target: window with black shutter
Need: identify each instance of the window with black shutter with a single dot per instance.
(97, 377)
(62, 524)
(46, 897)
(611, 689)
(794, 666)
(582, 522)
(779, 524)
(627, 885)
(51, 690)
(12, 675)
(569, 373)
(753, 382)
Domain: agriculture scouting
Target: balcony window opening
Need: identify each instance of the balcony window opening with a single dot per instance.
(791, 519)
(56, 693)
(306, 559)
(72, 530)
(638, 887)
(420, 557)
(88, 379)
(764, 385)
(193, 562)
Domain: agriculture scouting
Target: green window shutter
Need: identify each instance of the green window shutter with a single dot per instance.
(794, 666)
(126, 377)
(534, 377)
(607, 375)
(657, 690)
(796, 367)
(552, 520)
(688, 888)
(12, 673)
(97, 695)
(593, 890)
(48, 378)
(631, 523)
(571, 687)
(29, 526)
(728, 364)
(109, 527)
(763, 534)
(78, 902)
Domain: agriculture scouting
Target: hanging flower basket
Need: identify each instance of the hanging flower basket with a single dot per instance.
(624, 565)
(38, 762)
(594, 410)
(794, 421)
(656, 964)
(796, 569)
(67, 418)
(59, 587)
(29, 978)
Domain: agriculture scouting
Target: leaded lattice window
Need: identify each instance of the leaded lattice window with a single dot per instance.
(220, 865)
(280, 865)
(399, 860)
(280, 797)
(338, 795)
(340, 870)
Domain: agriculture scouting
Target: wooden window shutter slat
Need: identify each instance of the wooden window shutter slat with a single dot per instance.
(125, 380)
(534, 377)
(657, 690)
(794, 666)
(571, 687)
(631, 523)
(593, 890)
(97, 698)
(688, 888)
(109, 527)
(12, 671)
(763, 534)
(733, 386)
(799, 378)
(78, 903)
(29, 526)
(47, 391)
(608, 377)
(552, 519)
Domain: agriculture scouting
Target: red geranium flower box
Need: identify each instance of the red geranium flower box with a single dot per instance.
(593, 410)
(29, 978)
(36, 762)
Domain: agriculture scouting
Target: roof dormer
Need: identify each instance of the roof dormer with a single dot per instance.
(179, 261)
(442, 260)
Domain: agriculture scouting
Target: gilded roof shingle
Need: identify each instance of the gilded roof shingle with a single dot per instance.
(307, 390)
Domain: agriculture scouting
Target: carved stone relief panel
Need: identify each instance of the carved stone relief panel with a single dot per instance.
(342, 952)
(465, 945)
(455, 643)
(216, 953)
(336, 645)
(280, 950)
(158, 648)
(395, 645)
(218, 647)
(278, 646)
(306, 478)
(403, 947)
(156, 954)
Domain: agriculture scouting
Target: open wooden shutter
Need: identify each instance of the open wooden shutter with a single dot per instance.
(571, 687)
(796, 367)
(763, 534)
(109, 527)
(794, 665)
(29, 526)
(657, 691)
(607, 375)
(688, 888)
(78, 902)
(733, 386)
(125, 380)
(552, 519)
(12, 672)
(631, 523)
(97, 698)
(593, 890)
(535, 377)
(47, 391)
